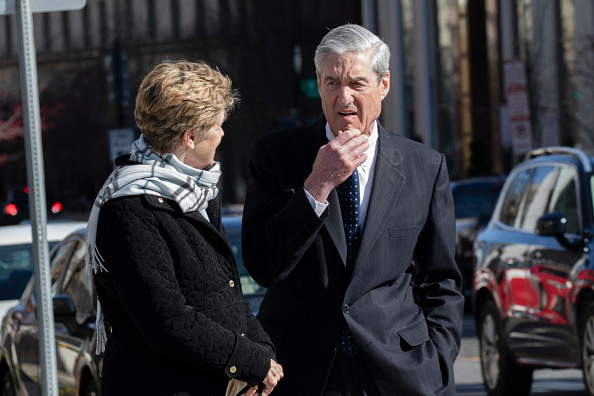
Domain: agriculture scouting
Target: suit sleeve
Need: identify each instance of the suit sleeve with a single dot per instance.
(279, 224)
(438, 282)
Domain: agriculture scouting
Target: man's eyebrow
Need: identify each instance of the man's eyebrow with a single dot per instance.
(352, 79)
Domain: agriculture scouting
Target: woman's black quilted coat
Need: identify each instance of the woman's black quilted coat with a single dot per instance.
(176, 320)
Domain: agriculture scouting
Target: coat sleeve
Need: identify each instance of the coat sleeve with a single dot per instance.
(140, 265)
(279, 224)
(437, 284)
(255, 331)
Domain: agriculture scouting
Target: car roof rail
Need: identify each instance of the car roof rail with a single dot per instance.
(574, 152)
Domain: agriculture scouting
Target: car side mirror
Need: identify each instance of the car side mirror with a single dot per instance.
(65, 312)
(551, 224)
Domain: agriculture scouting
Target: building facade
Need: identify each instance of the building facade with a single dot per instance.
(91, 62)
(480, 80)
(462, 60)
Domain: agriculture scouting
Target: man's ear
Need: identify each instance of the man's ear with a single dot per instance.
(385, 85)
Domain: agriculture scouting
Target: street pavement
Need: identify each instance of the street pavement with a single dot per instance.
(546, 382)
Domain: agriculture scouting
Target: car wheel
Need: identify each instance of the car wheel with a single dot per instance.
(501, 375)
(91, 390)
(7, 387)
(587, 343)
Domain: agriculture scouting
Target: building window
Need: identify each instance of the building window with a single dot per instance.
(152, 20)
(175, 18)
(66, 27)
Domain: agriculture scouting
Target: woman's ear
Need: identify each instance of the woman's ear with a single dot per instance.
(189, 139)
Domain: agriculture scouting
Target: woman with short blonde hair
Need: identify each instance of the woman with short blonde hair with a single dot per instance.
(171, 317)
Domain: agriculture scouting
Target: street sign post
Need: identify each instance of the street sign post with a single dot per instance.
(517, 102)
(36, 176)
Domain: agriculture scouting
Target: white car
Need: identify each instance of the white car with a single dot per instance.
(16, 257)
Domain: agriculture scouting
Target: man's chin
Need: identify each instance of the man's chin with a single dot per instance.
(344, 126)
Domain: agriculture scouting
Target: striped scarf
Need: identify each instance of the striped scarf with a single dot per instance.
(159, 175)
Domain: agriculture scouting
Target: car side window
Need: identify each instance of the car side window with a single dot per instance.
(539, 191)
(564, 200)
(60, 259)
(511, 207)
(77, 284)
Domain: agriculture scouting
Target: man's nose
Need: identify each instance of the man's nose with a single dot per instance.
(345, 95)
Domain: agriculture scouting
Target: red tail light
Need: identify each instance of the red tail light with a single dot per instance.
(11, 209)
(56, 207)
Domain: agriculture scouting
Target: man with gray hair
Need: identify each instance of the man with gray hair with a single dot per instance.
(351, 228)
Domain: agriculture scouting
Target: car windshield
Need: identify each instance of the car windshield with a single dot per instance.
(16, 268)
(249, 285)
(475, 201)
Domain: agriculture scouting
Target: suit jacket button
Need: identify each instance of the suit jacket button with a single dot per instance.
(346, 308)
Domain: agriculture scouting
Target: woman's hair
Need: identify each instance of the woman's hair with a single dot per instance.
(180, 95)
(354, 38)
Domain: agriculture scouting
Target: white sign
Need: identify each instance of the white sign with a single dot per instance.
(517, 105)
(8, 6)
(120, 142)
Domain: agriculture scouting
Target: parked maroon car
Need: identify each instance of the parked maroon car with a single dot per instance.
(533, 287)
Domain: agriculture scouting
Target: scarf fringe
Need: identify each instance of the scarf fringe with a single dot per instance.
(100, 327)
(95, 262)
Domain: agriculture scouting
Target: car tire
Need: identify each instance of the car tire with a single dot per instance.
(7, 387)
(91, 390)
(587, 345)
(501, 375)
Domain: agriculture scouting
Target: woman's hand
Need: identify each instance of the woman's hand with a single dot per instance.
(274, 375)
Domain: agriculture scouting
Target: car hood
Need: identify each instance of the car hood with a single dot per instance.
(468, 222)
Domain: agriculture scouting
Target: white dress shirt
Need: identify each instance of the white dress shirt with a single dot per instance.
(366, 171)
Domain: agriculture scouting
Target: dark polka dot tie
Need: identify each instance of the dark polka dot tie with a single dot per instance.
(348, 197)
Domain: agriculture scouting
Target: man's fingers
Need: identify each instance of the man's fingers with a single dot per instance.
(352, 147)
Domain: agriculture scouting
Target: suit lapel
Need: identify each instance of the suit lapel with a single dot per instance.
(387, 186)
(314, 138)
(335, 227)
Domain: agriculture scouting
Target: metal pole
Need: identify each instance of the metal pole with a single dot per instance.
(390, 29)
(425, 107)
(506, 21)
(368, 15)
(398, 75)
(37, 206)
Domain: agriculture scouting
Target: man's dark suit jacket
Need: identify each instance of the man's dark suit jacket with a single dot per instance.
(406, 319)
